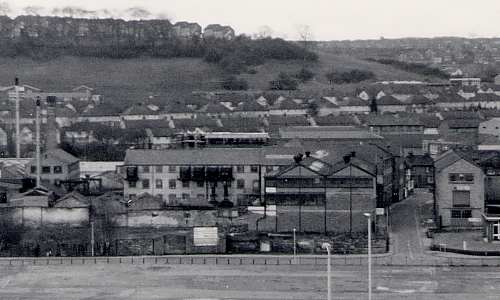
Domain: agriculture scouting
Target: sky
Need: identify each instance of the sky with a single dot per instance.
(327, 19)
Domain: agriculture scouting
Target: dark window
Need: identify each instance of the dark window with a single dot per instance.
(145, 169)
(240, 169)
(461, 214)
(172, 169)
(159, 169)
(159, 183)
(45, 169)
(200, 184)
(33, 169)
(185, 184)
(254, 169)
(240, 184)
(57, 169)
(172, 184)
(145, 183)
(132, 184)
(461, 177)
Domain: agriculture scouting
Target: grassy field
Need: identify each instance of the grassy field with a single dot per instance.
(133, 80)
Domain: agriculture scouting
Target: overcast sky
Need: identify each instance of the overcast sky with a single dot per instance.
(328, 19)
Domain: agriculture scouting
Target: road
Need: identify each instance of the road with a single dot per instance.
(243, 282)
(405, 226)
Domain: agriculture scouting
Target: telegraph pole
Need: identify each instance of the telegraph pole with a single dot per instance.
(37, 120)
(18, 142)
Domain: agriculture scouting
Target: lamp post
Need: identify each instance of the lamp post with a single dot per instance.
(328, 248)
(294, 247)
(369, 216)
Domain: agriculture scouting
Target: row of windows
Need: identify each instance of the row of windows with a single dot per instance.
(48, 169)
(461, 214)
(174, 169)
(461, 177)
(172, 184)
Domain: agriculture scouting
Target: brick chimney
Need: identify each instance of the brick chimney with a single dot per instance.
(51, 134)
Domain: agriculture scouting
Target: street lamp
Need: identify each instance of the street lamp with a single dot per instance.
(328, 248)
(294, 247)
(369, 216)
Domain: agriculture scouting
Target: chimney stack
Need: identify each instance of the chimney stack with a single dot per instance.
(51, 139)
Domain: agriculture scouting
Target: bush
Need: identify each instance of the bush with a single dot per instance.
(304, 75)
(232, 83)
(283, 82)
(412, 67)
(353, 76)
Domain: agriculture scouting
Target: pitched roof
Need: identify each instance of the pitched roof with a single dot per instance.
(242, 124)
(450, 157)
(392, 120)
(207, 156)
(139, 109)
(419, 160)
(462, 123)
(60, 155)
(388, 100)
(336, 120)
(72, 200)
(327, 132)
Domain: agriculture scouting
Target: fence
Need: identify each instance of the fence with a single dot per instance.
(256, 260)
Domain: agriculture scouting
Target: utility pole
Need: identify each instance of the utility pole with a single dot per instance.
(92, 241)
(37, 121)
(18, 142)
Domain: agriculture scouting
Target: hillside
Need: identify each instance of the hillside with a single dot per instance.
(125, 81)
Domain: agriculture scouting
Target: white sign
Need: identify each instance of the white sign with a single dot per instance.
(205, 236)
(379, 211)
(270, 190)
(474, 220)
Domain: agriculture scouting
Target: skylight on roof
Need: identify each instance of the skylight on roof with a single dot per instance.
(316, 166)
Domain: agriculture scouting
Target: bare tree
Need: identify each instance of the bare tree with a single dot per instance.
(33, 10)
(163, 16)
(305, 36)
(264, 31)
(138, 13)
(4, 8)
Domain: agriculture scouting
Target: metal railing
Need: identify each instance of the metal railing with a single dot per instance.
(256, 260)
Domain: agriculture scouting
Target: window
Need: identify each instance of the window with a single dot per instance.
(145, 169)
(461, 214)
(240, 184)
(33, 169)
(172, 169)
(269, 169)
(57, 169)
(172, 184)
(461, 198)
(145, 183)
(254, 169)
(172, 199)
(240, 169)
(131, 196)
(200, 184)
(200, 197)
(159, 169)
(461, 177)
(159, 183)
(185, 184)
(185, 196)
(45, 169)
(132, 184)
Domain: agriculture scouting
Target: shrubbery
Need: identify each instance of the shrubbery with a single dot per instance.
(284, 82)
(412, 67)
(353, 76)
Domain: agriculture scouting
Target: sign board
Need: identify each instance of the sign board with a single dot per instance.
(462, 188)
(205, 236)
(270, 190)
(379, 211)
(474, 220)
